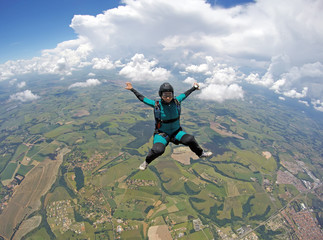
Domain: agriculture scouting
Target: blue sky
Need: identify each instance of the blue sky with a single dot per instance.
(29, 26)
(220, 43)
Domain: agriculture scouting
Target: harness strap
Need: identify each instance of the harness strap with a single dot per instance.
(170, 120)
(157, 114)
(169, 138)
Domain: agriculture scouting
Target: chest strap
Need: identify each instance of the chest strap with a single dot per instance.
(157, 113)
(170, 120)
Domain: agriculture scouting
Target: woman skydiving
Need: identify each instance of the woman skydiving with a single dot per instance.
(167, 113)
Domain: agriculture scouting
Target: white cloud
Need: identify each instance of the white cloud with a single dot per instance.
(21, 84)
(276, 44)
(304, 102)
(285, 79)
(102, 63)
(294, 94)
(190, 80)
(140, 69)
(24, 96)
(203, 68)
(63, 60)
(89, 83)
(281, 98)
(220, 81)
(220, 93)
(318, 105)
(12, 81)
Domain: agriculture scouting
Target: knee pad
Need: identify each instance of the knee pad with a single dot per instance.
(158, 148)
(187, 139)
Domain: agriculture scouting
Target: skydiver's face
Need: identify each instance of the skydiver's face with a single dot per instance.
(167, 97)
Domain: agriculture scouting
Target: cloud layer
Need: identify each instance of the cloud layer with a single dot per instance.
(24, 96)
(88, 83)
(140, 69)
(276, 44)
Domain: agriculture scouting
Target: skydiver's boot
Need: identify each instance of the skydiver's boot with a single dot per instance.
(143, 166)
(206, 154)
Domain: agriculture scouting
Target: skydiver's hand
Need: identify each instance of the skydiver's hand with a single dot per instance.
(196, 85)
(129, 86)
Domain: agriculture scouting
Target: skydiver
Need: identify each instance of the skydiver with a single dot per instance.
(167, 122)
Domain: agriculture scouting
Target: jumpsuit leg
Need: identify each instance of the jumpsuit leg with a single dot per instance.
(158, 148)
(189, 140)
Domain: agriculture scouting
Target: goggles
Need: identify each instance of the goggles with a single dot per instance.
(167, 94)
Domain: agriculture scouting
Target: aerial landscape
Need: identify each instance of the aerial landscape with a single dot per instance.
(72, 137)
(78, 161)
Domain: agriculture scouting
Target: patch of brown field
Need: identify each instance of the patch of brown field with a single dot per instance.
(81, 113)
(151, 211)
(161, 208)
(217, 127)
(232, 189)
(26, 197)
(158, 203)
(145, 226)
(26, 226)
(267, 155)
(160, 232)
(183, 155)
(172, 209)
(26, 160)
(79, 140)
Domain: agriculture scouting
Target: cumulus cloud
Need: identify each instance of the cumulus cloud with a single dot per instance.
(294, 94)
(88, 83)
(221, 79)
(141, 69)
(21, 84)
(12, 81)
(318, 105)
(276, 44)
(221, 93)
(285, 79)
(304, 102)
(190, 80)
(67, 57)
(102, 63)
(281, 98)
(24, 96)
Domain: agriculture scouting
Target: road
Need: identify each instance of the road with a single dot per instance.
(277, 212)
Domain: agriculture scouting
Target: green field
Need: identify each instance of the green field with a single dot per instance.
(9, 171)
(109, 133)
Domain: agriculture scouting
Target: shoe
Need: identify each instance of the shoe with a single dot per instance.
(206, 154)
(143, 166)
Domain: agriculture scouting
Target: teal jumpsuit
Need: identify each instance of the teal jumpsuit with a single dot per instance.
(170, 129)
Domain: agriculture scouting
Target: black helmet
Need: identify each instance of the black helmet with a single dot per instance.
(165, 87)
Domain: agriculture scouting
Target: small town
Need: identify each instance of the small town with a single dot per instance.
(9, 190)
(303, 223)
(60, 216)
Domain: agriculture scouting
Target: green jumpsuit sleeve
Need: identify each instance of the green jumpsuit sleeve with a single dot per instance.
(142, 98)
(184, 95)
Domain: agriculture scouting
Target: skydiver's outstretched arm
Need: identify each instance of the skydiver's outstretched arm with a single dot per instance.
(184, 95)
(139, 95)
